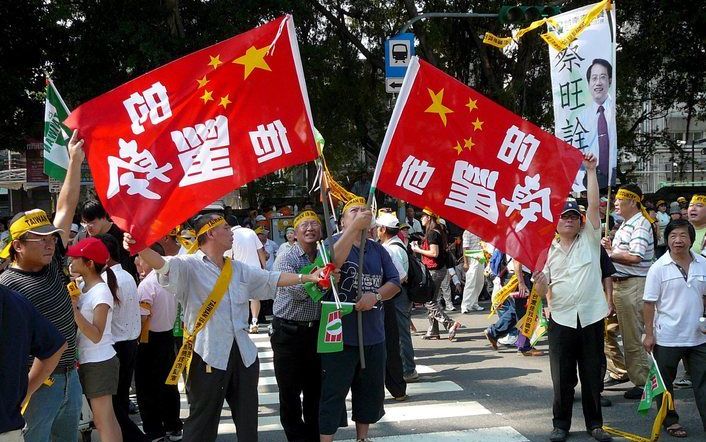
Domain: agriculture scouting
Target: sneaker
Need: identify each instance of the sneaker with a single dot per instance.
(452, 331)
(477, 308)
(402, 398)
(253, 329)
(451, 309)
(683, 383)
(173, 436)
(600, 435)
(508, 340)
(558, 435)
(412, 377)
(634, 393)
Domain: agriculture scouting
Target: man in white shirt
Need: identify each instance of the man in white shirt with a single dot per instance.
(571, 281)
(674, 302)
(125, 328)
(224, 363)
(248, 249)
(473, 264)
(414, 225)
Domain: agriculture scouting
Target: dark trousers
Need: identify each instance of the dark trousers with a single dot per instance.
(394, 376)
(208, 387)
(569, 347)
(159, 403)
(126, 353)
(298, 373)
(668, 360)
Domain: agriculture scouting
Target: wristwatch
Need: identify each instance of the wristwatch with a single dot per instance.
(378, 297)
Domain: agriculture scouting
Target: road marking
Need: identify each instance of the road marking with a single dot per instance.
(494, 434)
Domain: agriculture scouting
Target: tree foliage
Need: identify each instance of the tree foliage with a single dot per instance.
(92, 46)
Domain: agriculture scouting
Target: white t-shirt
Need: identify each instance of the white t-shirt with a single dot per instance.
(87, 302)
(398, 255)
(126, 314)
(164, 306)
(271, 249)
(245, 246)
(679, 303)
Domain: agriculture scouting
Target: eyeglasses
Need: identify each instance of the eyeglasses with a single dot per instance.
(49, 239)
(571, 216)
(306, 225)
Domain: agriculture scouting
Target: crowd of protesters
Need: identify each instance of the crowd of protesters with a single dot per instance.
(635, 271)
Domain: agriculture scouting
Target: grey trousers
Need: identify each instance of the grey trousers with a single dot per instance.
(208, 387)
(434, 311)
(668, 360)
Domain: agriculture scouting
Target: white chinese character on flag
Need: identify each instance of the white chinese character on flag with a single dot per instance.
(142, 163)
(473, 190)
(529, 200)
(152, 103)
(518, 146)
(204, 153)
(270, 141)
(415, 175)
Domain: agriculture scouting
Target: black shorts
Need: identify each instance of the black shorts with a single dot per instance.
(340, 373)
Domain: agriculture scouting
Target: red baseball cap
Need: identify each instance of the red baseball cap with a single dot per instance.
(90, 248)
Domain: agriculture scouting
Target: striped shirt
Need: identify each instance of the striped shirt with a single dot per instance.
(46, 290)
(292, 302)
(635, 237)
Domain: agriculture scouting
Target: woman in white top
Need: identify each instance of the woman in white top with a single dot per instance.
(289, 243)
(98, 365)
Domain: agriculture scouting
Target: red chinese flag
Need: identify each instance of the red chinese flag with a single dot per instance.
(454, 151)
(164, 145)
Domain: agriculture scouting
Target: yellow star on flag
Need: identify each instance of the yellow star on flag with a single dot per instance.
(471, 105)
(437, 106)
(477, 125)
(215, 61)
(224, 102)
(206, 97)
(253, 58)
(458, 148)
(202, 82)
(469, 143)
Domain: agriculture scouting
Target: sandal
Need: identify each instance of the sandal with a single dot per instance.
(676, 430)
(452, 331)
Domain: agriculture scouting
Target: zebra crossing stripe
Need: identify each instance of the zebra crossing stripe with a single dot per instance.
(493, 434)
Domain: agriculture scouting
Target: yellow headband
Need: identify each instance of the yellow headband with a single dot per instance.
(215, 222)
(698, 199)
(624, 194)
(307, 215)
(354, 202)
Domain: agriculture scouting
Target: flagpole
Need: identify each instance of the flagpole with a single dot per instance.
(361, 263)
(607, 212)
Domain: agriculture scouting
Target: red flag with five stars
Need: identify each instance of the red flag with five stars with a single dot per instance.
(166, 144)
(469, 160)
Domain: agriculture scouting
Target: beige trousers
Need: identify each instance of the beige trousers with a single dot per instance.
(627, 297)
(12, 436)
(613, 353)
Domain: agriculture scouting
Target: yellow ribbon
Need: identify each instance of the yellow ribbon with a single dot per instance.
(561, 43)
(48, 382)
(183, 359)
(698, 199)
(667, 404)
(529, 321)
(145, 332)
(354, 202)
(307, 215)
(502, 295)
(494, 40)
(624, 194)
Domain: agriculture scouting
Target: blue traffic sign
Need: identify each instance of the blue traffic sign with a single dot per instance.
(399, 51)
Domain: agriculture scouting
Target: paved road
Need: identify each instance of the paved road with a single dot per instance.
(468, 392)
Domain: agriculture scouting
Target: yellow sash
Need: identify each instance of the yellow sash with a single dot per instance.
(183, 359)
(529, 321)
(502, 295)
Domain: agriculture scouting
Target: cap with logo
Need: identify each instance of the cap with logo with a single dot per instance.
(33, 221)
(571, 206)
(90, 248)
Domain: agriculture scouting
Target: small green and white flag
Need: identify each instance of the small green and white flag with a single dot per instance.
(56, 135)
(331, 326)
(654, 386)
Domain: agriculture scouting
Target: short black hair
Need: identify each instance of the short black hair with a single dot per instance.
(112, 245)
(392, 231)
(603, 63)
(678, 224)
(93, 209)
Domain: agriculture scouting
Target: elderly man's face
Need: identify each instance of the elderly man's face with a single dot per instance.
(599, 83)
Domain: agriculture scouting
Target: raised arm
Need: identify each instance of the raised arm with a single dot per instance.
(152, 258)
(342, 247)
(70, 191)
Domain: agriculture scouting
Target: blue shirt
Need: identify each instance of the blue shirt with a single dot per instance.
(23, 332)
(378, 269)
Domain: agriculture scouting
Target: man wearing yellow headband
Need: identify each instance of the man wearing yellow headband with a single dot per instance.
(697, 218)
(295, 330)
(224, 364)
(632, 252)
(380, 282)
(36, 248)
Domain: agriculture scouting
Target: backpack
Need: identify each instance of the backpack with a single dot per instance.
(419, 285)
